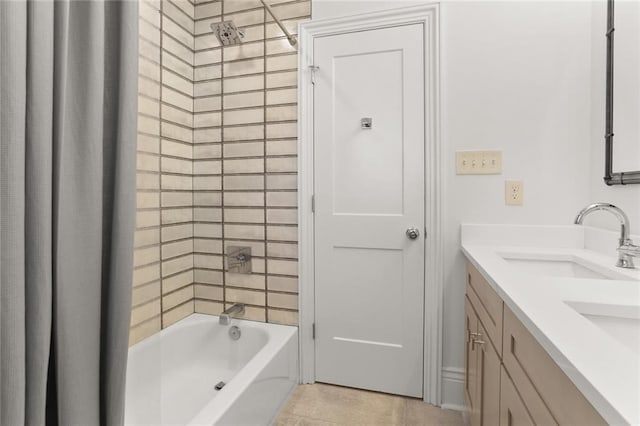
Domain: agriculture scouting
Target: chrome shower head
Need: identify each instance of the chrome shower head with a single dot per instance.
(227, 33)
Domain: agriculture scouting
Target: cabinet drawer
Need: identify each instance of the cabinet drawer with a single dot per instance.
(539, 380)
(512, 410)
(488, 305)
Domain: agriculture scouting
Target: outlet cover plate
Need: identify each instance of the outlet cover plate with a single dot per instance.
(513, 192)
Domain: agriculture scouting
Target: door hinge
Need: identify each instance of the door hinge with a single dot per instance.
(313, 331)
(312, 72)
(313, 204)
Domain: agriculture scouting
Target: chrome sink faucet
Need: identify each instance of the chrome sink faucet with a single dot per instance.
(235, 309)
(626, 250)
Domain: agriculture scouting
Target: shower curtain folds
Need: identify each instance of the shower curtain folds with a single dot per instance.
(68, 104)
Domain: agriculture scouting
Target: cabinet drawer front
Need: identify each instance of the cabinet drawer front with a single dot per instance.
(488, 305)
(513, 412)
(540, 381)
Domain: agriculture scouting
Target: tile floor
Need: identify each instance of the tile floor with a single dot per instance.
(321, 404)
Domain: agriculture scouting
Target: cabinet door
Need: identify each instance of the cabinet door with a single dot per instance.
(471, 375)
(513, 412)
(489, 383)
(487, 304)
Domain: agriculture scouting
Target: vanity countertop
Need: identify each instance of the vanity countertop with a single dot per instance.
(590, 326)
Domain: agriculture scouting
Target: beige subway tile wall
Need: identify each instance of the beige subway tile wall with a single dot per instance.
(244, 163)
(163, 258)
(146, 312)
(216, 162)
(207, 161)
(176, 168)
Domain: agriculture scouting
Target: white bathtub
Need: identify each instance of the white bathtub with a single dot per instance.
(171, 376)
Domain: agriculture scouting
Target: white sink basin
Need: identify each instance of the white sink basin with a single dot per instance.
(620, 322)
(555, 268)
(562, 266)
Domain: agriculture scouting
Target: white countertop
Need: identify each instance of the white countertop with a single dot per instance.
(606, 370)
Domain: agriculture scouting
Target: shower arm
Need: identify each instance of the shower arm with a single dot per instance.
(292, 38)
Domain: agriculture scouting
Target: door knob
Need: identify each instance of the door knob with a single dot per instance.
(413, 233)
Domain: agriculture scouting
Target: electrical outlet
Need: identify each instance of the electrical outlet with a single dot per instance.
(513, 192)
(479, 162)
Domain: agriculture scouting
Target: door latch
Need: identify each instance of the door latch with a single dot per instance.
(313, 69)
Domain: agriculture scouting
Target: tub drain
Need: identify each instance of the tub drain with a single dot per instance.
(234, 333)
(220, 385)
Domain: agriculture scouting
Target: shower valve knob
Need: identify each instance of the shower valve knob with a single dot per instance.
(413, 233)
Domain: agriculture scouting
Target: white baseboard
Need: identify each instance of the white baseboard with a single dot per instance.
(453, 388)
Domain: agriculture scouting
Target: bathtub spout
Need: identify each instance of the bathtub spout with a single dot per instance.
(235, 309)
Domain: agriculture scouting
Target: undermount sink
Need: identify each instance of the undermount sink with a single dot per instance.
(620, 322)
(560, 266)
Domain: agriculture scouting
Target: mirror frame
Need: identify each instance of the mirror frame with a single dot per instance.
(611, 177)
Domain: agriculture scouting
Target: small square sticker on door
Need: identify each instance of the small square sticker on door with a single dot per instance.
(366, 122)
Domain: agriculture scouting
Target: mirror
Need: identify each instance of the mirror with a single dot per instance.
(624, 97)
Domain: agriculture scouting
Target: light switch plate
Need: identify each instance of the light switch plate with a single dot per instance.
(514, 192)
(465, 162)
(491, 162)
(479, 162)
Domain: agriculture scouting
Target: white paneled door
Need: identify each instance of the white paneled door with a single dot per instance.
(369, 115)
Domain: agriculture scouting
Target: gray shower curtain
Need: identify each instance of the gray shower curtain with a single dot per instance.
(68, 85)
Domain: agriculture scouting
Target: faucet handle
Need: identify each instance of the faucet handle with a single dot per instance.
(629, 249)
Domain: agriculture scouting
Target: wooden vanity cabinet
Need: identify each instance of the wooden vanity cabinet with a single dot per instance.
(509, 377)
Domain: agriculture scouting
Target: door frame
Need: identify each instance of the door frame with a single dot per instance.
(428, 16)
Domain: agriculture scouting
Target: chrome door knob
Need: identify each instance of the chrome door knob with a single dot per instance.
(413, 233)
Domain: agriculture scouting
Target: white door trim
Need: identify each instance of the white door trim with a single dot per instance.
(428, 16)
